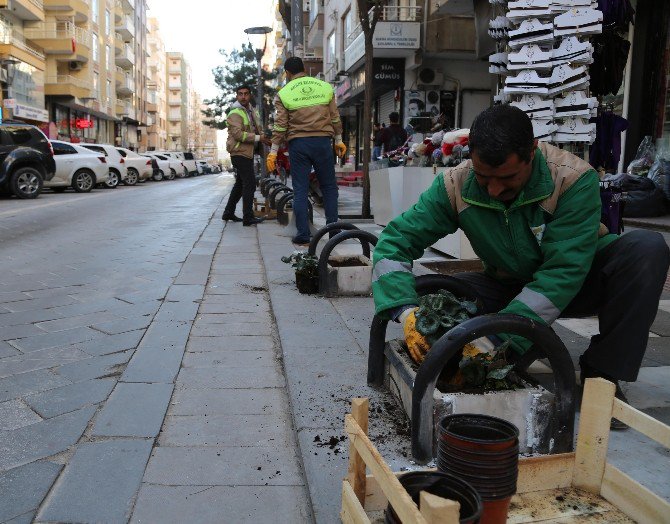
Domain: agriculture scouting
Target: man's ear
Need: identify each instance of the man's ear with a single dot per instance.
(532, 153)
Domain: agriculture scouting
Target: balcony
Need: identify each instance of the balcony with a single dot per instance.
(397, 34)
(28, 10)
(125, 109)
(315, 33)
(174, 69)
(68, 85)
(118, 11)
(174, 116)
(125, 85)
(127, 5)
(78, 9)
(69, 42)
(152, 102)
(126, 28)
(126, 58)
(10, 45)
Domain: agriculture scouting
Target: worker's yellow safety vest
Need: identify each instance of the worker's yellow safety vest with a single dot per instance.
(305, 92)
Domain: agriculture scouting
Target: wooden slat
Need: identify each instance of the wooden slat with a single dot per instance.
(402, 503)
(649, 426)
(437, 510)
(352, 511)
(593, 437)
(546, 472)
(356, 470)
(636, 501)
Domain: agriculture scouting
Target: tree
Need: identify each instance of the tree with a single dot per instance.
(240, 67)
(369, 13)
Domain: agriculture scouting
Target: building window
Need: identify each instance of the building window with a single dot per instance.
(96, 84)
(94, 11)
(95, 47)
(108, 58)
(330, 50)
(108, 23)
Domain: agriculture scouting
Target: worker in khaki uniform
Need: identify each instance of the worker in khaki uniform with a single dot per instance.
(244, 133)
(308, 119)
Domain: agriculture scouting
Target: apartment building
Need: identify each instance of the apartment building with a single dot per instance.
(157, 136)
(179, 88)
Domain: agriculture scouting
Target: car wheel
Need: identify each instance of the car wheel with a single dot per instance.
(59, 189)
(83, 181)
(132, 178)
(26, 182)
(171, 175)
(112, 179)
(158, 176)
(182, 174)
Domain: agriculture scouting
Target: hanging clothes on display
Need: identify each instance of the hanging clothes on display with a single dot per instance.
(606, 150)
(610, 54)
(617, 14)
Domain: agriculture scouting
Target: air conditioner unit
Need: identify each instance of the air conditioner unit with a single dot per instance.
(429, 77)
(76, 66)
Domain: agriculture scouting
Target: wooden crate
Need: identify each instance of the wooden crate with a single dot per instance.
(569, 487)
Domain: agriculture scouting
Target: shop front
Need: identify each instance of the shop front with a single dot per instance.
(78, 126)
(387, 81)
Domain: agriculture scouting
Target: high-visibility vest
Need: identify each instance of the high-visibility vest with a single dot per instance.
(245, 121)
(305, 91)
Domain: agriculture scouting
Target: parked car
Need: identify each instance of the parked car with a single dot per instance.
(176, 166)
(26, 160)
(77, 167)
(206, 168)
(161, 167)
(186, 158)
(139, 167)
(116, 163)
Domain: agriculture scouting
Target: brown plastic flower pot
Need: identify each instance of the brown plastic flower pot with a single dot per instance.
(478, 433)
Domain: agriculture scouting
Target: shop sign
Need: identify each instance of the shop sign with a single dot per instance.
(397, 35)
(388, 72)
(83, 123)
(342, 91)
(31, 113)
(9, 103)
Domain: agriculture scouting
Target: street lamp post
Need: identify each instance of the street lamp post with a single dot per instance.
(261, 30)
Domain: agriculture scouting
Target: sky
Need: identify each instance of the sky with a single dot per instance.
(199, 28)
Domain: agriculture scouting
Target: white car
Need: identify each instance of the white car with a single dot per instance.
(187, 159)
(139, 167)
(77, 167)
(116, 163)
(163, 164)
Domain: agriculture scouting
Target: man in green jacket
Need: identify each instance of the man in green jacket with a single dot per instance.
(532, 214)
(244, 135)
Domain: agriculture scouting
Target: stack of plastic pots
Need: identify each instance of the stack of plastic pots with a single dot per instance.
(484, 452)
(442, 485)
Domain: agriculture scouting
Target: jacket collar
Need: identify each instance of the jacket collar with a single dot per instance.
(237, 105)
(540, 185)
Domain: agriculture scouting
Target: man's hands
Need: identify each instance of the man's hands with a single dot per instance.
(417, 345)
(340, 149)
(266, 141)
(271, 162)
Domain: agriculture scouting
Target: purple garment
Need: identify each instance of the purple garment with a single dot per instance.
(606, 150)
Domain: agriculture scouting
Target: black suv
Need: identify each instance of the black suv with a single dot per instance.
(26, 160)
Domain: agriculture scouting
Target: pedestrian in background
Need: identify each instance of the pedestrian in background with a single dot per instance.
(244, 134)
(377, 131)
(393, 136)
(308, 119)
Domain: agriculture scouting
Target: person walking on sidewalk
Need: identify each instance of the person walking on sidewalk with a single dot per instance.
(393, 136)
(244, 133)
(308, 119)
(532, 214)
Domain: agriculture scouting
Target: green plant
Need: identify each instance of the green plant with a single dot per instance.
(441, 311)
(303, 263)
(490, 371)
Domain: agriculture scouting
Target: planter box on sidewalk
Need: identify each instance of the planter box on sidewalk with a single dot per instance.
(349, 275)
(530, 409)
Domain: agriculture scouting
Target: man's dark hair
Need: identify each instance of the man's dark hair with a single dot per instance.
(242, 86)
(394, 117)
(294, 65)
(419, 103)
(499, 132)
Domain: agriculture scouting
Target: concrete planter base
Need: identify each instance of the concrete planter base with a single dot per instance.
(349, 275)
(530, 409)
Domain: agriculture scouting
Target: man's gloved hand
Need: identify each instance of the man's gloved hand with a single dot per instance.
(271, 162)
(340, 149)
(417, 344)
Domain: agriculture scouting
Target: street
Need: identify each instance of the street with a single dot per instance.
(158, 365)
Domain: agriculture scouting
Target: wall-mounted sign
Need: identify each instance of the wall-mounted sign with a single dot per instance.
(31, 113)
(388, 35)
(83, 123)
(9, 103)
